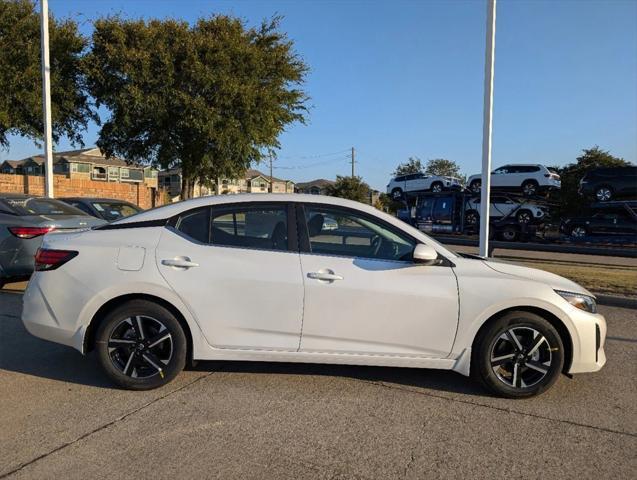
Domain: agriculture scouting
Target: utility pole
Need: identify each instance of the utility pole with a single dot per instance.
(485, 191)
(46, 97)
(271, 188)
(353, 161)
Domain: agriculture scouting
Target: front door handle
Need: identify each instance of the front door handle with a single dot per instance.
(326, 276)
(179, 262)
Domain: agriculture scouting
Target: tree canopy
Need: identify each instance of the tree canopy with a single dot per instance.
(572, 173)
(352, 188)
(443, 167)
(211, 98)
(21, 77)
(412, 165)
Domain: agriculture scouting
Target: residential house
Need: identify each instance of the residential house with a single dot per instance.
(88, 163)
(253, 181)
(314, 187)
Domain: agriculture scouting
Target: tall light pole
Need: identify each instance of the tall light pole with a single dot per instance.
(46, 97)
(485, 191)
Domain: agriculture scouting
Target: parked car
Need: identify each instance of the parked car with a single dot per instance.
(421, 182)
(609, 218)
(185, 281)
(24, 220)
(606, 184)
(530, 179)
(503, 206)
(105, 208)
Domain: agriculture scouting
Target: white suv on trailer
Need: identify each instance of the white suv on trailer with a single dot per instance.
(531, 179)
(421, 182)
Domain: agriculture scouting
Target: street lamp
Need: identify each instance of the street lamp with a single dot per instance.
(46, 97)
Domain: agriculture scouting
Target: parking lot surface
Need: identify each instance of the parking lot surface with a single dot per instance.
(61, 418)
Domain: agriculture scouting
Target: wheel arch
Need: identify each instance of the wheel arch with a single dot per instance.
(100, 314)
(554, 320)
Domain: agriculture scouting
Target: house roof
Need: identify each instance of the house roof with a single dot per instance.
(85, 155)
(319, 182)
(12, 163)
(252, 173)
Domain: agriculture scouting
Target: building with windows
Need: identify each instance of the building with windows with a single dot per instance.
(88, 163)
(314, 187)
(254, 181)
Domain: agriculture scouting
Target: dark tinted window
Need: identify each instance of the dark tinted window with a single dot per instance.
(399, 179)
(81, 206)
(195, 224)
(333, 231)
(41, 206)
(246, 227)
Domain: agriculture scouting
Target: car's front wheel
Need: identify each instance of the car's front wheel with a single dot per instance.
(436, 187)
(603, 194)
(397, 193)
(141, 345)
(518, 355)
(475, 186)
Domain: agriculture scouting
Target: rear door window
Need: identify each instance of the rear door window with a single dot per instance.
(195, 224)
(259, 227)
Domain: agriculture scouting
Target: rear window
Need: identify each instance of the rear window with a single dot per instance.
(114, 211)
(41, 206)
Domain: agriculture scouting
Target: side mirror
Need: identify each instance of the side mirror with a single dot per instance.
(425, 254)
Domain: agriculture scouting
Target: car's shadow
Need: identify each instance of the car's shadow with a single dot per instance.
(23, 353)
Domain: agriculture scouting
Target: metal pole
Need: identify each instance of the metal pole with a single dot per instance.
(352, 162)
(46, 98)
(485, 192)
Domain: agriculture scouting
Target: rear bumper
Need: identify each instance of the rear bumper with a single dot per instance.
(18, 256)
(40, 320)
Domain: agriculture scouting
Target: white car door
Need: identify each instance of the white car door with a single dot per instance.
(500, 177)
(417, 182)
(364, 295)
(237, 269)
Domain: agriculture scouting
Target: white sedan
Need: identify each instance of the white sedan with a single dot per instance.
(259, 277)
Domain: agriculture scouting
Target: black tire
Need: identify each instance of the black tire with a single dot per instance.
(472, 217)
(141, 362)
(397, 194)
(509, 234)
(475, 186)
(578, 231)
(603, 193)
(501, 366)
(437, 187)
(530, 188)
(524, 216)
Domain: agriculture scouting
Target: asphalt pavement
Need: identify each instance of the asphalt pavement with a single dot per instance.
(61, 418)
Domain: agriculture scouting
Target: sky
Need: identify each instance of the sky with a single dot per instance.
(403, 78)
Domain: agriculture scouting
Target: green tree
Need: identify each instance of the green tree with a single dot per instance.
(571, 174)
(444, 167)
(413, 165)
(21, 78)
(211, 98)
(352, 188)
(387, 204)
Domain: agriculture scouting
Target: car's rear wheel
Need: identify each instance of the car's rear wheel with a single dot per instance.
(578, 231)
(475, 186)
(397, 193)
(524, 216)
(603, 194)
(472, 217)
(518, 355)
(509, 233)
(436, 187)
(141, 345)
(530, 188)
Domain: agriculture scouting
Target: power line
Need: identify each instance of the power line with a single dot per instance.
(315, 164)
(309, 157)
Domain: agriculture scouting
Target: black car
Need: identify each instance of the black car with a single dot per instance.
(105, 208)
(606, 184)
(608, 218)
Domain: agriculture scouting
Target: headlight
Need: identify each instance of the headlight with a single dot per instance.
(579, 300)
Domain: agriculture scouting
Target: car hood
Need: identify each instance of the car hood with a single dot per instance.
(554, 281)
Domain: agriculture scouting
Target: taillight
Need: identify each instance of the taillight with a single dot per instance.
(30, 232)
(46, 259)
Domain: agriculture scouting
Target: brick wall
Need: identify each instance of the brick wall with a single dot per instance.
(139, 194)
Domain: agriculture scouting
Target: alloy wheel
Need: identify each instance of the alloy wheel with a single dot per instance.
(436, 188)
(529, 189)
(603, 194)
(521, 357)
(578, 232)
(476, 186)
(140, 347)
(471, 218)
(524, 217)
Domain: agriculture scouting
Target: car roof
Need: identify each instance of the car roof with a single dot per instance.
(96, 199)
(170, 210)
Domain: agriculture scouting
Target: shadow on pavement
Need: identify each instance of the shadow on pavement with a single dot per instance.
(23, 353)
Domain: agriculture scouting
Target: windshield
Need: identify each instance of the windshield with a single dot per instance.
(41, 206)
(113, 211)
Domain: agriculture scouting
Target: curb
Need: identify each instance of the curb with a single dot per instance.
(614, 301)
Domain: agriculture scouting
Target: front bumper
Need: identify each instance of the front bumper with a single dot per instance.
(588, 339)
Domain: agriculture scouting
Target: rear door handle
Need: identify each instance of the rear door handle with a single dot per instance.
(179, 262)
(328, 276)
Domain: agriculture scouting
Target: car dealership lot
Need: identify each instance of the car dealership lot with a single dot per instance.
(61, 417)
